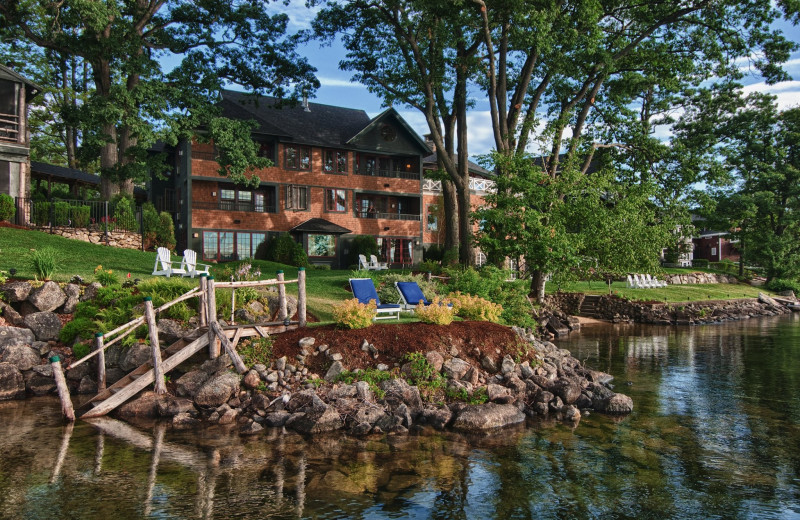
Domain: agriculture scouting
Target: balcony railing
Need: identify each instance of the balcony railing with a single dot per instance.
(224, 205)
(388, 216)
(9, 128)
(395, 174)
(476, 185)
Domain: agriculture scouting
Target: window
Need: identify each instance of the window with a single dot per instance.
(336, 200)
(335, 161)
(396, 250)
(321, 245)
(297, 197)
(433, 217)
(228, 245)
(267, 150)
(297, 157)
(246, 200)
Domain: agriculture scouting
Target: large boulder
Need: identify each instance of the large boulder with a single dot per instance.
(21, 356)
(90, 292)
(273, 304)
(137, 355)
(10, 314)
(39, 381)
(12, 384)
(399, 391)
(487, 416)
(45, 325)
(316, 420)
(73, 293)
(145, 406)
(15, 336)
(189, 383)
(616, 404)
(169, 331)
(218, 389)
(16, 291)
(48, 297)
(455, 368)
(567, 390)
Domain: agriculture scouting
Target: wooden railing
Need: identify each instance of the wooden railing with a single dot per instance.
(9, 128)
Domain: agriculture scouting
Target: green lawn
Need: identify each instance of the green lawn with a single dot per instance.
(671, 293)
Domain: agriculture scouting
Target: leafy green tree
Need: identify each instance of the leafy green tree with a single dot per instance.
(133, 101)
(752, 157)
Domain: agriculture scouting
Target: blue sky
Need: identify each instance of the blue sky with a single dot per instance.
(337, 89)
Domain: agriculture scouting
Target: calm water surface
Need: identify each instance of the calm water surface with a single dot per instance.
(715, 434)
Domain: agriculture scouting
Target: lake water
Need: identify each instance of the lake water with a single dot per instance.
(715, 434)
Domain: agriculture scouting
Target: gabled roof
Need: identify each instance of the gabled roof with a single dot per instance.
(390, 112)
(31, 88)
(474, 168)
(320, 225)
(66, 174)
(321, 125)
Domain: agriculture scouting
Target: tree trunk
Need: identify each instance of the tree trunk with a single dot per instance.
(450, 224)
(108, 161)
(538, 281)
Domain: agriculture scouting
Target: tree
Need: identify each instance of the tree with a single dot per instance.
(134, 102)
(753, 150)
(421, 53)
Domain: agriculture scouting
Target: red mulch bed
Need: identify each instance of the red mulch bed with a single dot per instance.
(10, 225)
(473, 339)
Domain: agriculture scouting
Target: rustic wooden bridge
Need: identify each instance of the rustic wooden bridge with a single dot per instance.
(210, 334)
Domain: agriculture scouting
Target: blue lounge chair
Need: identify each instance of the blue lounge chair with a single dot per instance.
(364, 291)
(411, 295)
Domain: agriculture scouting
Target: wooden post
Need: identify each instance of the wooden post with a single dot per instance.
(211, 314)
(101, 362)
(233, 303)
(150, 315)
(301, 296)
(63, 391)
(282, 310)
(202, 300)
(428, 276)
(229, 347)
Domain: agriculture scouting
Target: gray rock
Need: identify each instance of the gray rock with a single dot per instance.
(616, 404)
(218, 389)
(11, 315)
(334, 371)
(435, 360)
(169, 331)
(250, 428)
(307, 342)
(567, 390)
(336, 356)
(487, 416)
(145, 406)
(370, 415)
(305, 401)
(21, 356)
(251, 380)
(170, 406)
(255, 307)
(364, 392)
(498, 394)
(280, 364)
(90, 292)
(184, 421)
(316, 421)
(272, 377)
(342, 392)
(48, 297)
(77, 373)
(276, 419)
(508, 365)
(382, 367)
(45, 325)
(212, 366)
(455, 368)
(244, 316)
(571, 413)
(16, 291)
(399, 391)
(489, 365)
(525, 370)
(273, 304)
(137, 355)
(189, 383)
(38, 383)
(12, 384)
(15, 336)
(73, 293)
(87, 385)
(438, 417)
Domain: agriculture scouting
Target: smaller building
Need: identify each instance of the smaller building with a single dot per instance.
(16, 93)
(715, 246)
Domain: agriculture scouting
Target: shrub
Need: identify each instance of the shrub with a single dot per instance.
(450, 257)
(81, 216)
(41, 213)
(82, 327)
(256, 350)
(165, 232)
(438, 312)
(350, 314)
(105, 277)
(370, 376)
(284, 250)
(44, 262)
(782, 284)
(80, 350)
(471, 307)
(7, 208)
(362, 245)
(491, 284)
(430, 266)
(61, 214)
(180, 311)
(123, 211)
(433, 253)
(387, 292)
(419, 369)
(700, 263)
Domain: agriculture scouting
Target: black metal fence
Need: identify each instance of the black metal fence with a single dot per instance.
(79, 214)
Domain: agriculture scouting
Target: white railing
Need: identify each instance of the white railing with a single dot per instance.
(476, 185)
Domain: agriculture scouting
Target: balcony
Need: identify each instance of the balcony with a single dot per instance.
(9, 128)
(394, 174)
(388, 216)
(476, 185)
(249, 207)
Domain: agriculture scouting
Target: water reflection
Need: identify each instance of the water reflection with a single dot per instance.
(714, 433)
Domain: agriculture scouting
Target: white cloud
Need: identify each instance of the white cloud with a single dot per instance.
(327, 81)
(300, 16)
(787, 92)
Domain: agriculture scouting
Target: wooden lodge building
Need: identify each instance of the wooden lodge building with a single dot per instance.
(336, 174)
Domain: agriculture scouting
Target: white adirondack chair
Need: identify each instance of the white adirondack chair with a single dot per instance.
(164, 265)
(189, 264)
(654, 282)
(639, 282)
(362, 263)
(376, 265)
(631, 284)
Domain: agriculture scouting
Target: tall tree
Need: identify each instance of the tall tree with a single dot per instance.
(421, 53)
(134, 101)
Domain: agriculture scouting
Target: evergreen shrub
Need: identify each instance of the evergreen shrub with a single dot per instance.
(7, 207)
(362, 245)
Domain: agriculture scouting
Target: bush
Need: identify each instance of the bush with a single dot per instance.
(165, 232)
(7, 207)
(44, 262)
(490, 283)
(700, 263)
(433, 253)
(284, 250)
(81, 216)
(782, 284)
(350, 314)
(41, 213)
(80, 350)
(450, 257)
(438, 312)
(387, 292)
(123, 211)
(61, 214)
(82, 327)
(362, 245)
(105, 277)
(471, 307)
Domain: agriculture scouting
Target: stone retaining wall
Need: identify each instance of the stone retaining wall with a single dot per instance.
(698, 277)
(123, 239)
